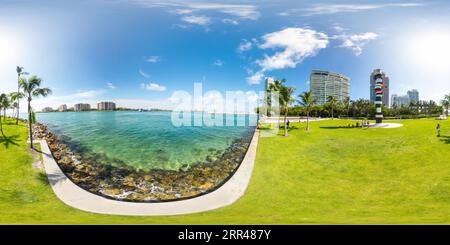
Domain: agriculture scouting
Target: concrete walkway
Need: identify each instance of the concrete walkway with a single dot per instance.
(386, 125)
(76, 197)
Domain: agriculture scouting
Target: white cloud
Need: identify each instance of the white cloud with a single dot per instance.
(153, 87)
(230, 21)
(286, 13)
(182, 11)
(296, 44)
(197, 20)
(244, 46)
(144, 74)
(218, 62)
(242, 11)
(255, 78)
(322, 9)
(110, 86)
(356, 42)
(153, 59)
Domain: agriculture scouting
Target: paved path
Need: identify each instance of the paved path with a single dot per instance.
(76, 197)
(385, 125)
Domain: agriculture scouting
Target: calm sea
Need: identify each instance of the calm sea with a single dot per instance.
(144, 140)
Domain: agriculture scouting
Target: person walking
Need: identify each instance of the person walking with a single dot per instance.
(438, 128)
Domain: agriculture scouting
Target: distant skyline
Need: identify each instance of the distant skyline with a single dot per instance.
(137, 53)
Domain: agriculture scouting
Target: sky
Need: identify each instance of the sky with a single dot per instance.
(139, 52)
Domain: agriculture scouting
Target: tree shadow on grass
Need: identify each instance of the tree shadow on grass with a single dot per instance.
(7, 140)
(50, 178)
(445, 139)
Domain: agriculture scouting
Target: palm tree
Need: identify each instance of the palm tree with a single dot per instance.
(446, 102)
(286, 98)
(446, 105)
(20, 72)
(31, 88)
(5, 104)
(307, 100)
(331, 100)
(346, 104)
(276, 87)
(15, 97)
(3, 99)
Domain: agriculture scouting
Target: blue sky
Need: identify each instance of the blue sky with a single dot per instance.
(138, 52)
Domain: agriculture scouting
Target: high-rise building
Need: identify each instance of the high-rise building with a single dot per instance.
(405, 100)
(106, 106)
(394, 100)
(62, 108)
(47, 109)
(385, 79)
(82, 107)
(267, 95)
(324, 84)
(413, 95)
(269, 80)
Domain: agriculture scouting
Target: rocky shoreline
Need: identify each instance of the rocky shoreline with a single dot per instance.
(128, 184)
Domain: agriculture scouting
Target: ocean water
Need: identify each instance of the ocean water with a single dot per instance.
(143, 140)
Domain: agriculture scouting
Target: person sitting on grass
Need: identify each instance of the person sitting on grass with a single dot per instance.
(438, 128)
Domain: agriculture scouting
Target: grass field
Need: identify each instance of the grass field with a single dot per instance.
(328, 175)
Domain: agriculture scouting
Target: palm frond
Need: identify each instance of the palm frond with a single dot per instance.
(44, 92)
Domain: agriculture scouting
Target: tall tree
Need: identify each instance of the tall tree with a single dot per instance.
(447, 102)
(5, 105)
(275, 87)
(3, 102)
(20, 72)
(15, 97)
(31, 88)
(331, 100)
(307, 100)
(346, 104)
(446, 105)
(286, 98)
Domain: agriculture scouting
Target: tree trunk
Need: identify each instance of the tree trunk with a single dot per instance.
(285, 123)
(307, 120)
(29, 123)
(1, 127)
(18, 100)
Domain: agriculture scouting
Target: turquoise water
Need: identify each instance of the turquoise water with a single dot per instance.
(143, 140)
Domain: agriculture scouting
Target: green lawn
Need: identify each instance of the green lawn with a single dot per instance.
(327, 175)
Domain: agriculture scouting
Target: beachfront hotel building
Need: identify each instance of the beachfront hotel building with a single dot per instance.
(385, 99)
(106, 106)
(324, 84)
(62, 108)
(82, 107)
